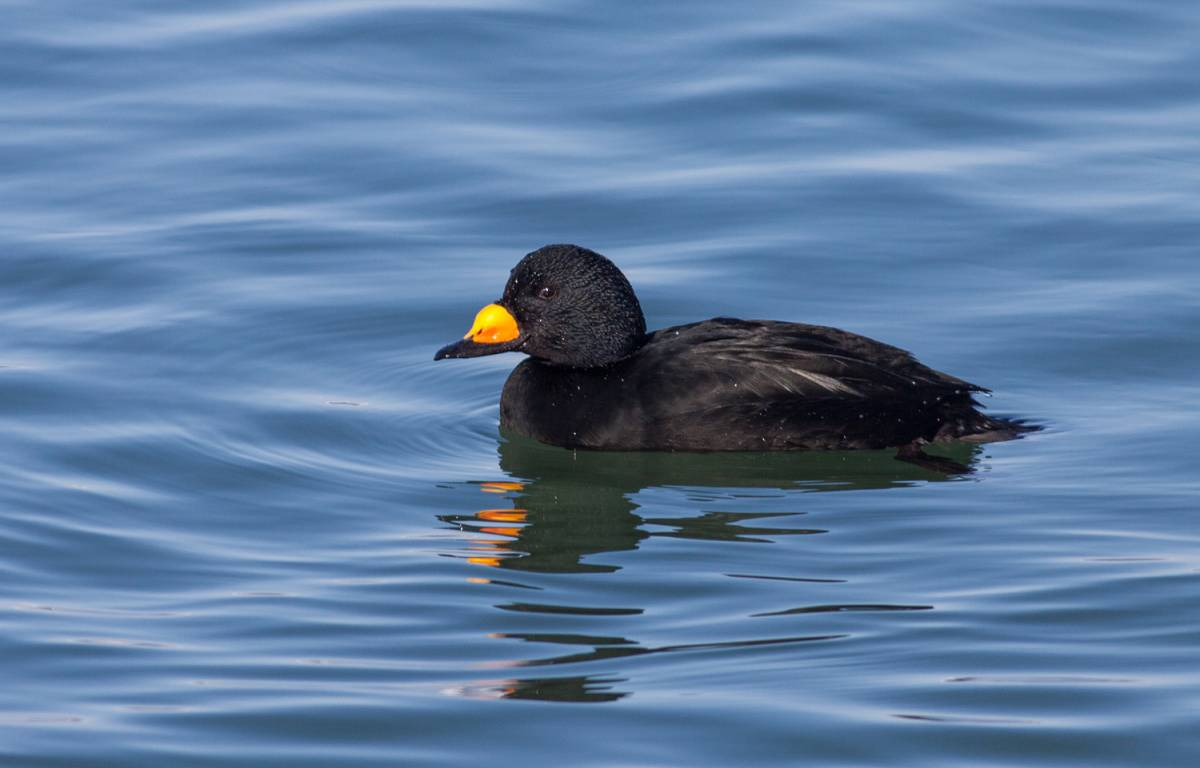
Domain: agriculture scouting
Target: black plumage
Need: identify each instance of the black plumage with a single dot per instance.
(595, 379)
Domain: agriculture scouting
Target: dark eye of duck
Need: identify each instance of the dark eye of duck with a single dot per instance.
(546, 293)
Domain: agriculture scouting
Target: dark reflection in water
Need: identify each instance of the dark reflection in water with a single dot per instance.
(617, 647)
(568, 506)
(598, 688)
(582, 689)
(571, 504)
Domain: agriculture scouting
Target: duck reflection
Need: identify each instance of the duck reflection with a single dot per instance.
(559, 512)
(571, 505)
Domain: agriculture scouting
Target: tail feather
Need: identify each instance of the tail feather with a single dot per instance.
(974, 427)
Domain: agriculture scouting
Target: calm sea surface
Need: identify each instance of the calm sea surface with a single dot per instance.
(245, 520)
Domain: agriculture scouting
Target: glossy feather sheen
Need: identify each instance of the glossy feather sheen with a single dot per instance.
(726, 384)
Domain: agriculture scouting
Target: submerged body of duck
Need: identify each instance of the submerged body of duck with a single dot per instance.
(595, 378)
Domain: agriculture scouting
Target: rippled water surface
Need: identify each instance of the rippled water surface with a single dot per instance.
(245, 520)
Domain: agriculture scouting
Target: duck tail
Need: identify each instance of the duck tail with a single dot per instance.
(974, 427)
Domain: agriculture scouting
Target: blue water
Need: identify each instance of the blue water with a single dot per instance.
(245, 520)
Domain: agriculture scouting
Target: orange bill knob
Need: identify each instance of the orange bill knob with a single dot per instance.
(495, 330)
(493, 325)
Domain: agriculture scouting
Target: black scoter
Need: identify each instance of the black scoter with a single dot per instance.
(595, 379)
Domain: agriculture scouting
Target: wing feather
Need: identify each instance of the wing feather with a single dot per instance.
(722, 362)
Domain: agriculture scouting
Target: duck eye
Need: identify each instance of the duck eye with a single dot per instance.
(546, 293)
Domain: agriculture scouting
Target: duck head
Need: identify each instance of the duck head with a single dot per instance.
(563, 304)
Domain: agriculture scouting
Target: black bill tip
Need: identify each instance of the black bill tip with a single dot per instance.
(469, 348)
